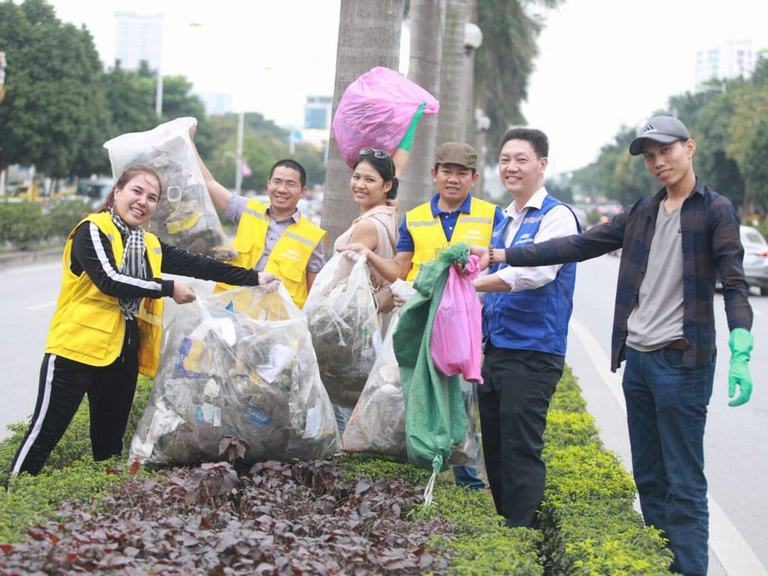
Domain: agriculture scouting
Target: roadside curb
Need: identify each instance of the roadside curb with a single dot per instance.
(13, 259)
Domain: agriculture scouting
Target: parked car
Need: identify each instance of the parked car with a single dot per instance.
(755, 258)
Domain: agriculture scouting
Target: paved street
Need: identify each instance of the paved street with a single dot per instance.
(736, 452)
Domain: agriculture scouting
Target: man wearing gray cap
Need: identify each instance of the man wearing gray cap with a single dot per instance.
(450, 217)
(674, 245)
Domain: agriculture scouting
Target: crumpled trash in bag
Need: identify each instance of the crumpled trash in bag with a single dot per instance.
(185, 216)
(376, 110)
(377, 424)
(224, 373)
(344, 326)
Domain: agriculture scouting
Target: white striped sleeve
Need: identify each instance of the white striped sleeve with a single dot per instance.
(96, 257)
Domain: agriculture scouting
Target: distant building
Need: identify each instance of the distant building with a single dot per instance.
(317, 112)
(216, 103)
(138, 37)
(732, 59)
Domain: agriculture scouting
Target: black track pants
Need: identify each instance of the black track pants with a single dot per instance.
(63, 383)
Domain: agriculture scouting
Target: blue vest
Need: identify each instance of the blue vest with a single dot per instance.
(530, 319)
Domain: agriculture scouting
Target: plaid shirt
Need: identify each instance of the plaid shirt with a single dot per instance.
(711, 246)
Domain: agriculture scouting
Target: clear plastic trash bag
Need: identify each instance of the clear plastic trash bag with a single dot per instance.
(238, 364)
(377, 424)
(344, 325)
(185, 216)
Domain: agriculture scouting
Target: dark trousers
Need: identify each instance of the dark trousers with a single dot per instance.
(514, 399)
(666, 414)
(63, 383)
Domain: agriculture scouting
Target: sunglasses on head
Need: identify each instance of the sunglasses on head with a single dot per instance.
(380, 154)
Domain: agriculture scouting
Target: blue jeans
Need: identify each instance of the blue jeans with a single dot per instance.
(666, 414)
(466, 476)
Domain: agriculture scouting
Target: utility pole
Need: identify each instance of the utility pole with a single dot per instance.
(239, 153)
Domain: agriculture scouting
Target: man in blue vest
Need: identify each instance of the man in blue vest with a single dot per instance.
(525, 324)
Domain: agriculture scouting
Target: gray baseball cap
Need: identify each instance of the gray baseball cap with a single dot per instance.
(661, 129)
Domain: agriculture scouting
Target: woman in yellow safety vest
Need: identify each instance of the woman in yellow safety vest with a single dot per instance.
(108, 321)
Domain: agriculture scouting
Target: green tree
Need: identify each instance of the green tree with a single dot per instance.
(615, 175)
(756, 168)
(504, 62)
(131, 97)
(55, 105)
(711, 130)
(263, 144)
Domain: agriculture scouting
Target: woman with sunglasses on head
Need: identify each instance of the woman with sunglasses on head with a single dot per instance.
(107, 326)
(374, 188)
(374, 184)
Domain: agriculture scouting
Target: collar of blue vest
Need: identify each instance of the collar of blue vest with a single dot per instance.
(465, 206)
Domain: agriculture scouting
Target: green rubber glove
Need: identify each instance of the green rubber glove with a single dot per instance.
(407, 142)
(740, 344)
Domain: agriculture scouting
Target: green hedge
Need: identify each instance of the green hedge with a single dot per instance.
(588, 521)
(25, 225)
(588, 524)
(480, 544)
(70, 472)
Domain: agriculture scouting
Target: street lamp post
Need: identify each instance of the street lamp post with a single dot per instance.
(159, 94)
(239, 152)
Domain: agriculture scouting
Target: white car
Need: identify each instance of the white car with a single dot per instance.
(755, 258)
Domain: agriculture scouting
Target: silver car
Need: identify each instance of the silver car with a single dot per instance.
(755, 258)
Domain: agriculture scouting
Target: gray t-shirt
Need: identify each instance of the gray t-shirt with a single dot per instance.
(657, 318)
(234, 210)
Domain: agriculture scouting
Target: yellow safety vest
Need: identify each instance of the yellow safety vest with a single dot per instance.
(428, 236)
(290, 255)
(88, 326)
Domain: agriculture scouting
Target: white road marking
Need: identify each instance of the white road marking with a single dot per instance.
(733, 552)
(41, 306)
(21, 270)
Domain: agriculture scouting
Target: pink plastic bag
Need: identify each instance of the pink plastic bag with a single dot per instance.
(457, 334)
(376, 110)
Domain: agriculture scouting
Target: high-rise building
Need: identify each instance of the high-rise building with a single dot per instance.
(138, 37)
(732, 59)
(317, 112)
(216, 103)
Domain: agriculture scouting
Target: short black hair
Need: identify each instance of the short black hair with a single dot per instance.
(535, 137)
(288, 163)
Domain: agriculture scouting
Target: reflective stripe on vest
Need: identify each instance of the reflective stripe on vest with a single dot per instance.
(428, 234)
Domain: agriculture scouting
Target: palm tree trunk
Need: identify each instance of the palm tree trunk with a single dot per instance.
(424, 69)
(369, 36)
(451, 124)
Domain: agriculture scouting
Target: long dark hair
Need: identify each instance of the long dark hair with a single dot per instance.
(125, 177)
(383, 164)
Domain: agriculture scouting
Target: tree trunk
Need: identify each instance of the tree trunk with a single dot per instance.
(369, 36)
(451, 125)
(424, 69)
